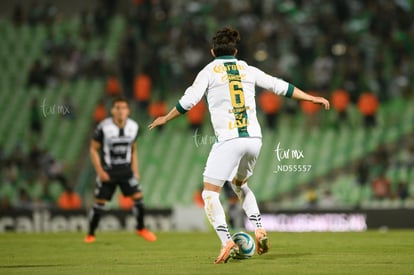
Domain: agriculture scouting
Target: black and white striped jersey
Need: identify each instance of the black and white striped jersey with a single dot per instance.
(116, 145)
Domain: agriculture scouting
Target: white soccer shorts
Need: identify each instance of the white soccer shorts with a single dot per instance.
(234, 158)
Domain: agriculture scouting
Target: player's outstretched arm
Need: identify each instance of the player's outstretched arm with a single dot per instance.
(301, 95)
(164, 119)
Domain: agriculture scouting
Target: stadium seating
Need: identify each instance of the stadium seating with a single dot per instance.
(62, 137)
(172, 164)
(172, 159)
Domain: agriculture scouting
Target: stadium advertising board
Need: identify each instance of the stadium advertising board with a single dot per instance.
(167, 220)
(73, 221)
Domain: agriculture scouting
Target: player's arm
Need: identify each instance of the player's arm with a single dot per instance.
(191, 97)
(164, 119)
(281, 87)
(134, 161)
(96, 160)
(301, 95)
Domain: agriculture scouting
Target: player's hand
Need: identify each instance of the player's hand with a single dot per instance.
(137, 176)
(322, 101)
(158, 122)
(103, 176)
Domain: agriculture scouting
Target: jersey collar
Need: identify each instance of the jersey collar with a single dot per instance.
(226, 57)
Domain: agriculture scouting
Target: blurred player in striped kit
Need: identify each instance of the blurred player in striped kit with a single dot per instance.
(114, 155)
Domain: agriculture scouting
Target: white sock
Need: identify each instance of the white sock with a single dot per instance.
(249, 205)
(215, 214)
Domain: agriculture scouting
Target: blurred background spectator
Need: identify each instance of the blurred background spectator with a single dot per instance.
(69, 200)
(340, 102)
(381, 187)
(368, 106)
(196, 115)
(142, 91)
(270, 105)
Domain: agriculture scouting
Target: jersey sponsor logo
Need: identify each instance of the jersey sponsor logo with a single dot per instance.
(238, 124)
(119, 152)
(114, 139)
(228, 67)
(239, 109)
(120, 148)
(230, 77)
(119, 161)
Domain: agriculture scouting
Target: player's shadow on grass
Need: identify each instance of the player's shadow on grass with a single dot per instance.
(289, 255)
(272, 257)
(275, 256)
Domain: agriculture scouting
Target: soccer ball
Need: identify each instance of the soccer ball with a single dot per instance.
(245, 243)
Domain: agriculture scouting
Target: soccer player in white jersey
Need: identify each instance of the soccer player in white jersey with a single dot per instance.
(114, 155)
(229, 87)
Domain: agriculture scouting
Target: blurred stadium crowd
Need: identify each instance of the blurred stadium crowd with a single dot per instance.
(320, 45)
(360, 54)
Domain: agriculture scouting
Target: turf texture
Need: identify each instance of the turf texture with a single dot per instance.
(371, 252)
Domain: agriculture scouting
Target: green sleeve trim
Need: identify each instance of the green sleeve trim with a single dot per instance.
(289, 92)
(180, 108)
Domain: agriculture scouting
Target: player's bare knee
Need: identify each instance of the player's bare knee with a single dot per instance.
(211, 187)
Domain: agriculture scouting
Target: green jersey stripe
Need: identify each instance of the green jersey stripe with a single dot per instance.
(237, 99)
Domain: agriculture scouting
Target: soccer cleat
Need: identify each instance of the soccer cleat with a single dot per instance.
(89, 239)
(230, 250)
(146, 234)
(262, 241)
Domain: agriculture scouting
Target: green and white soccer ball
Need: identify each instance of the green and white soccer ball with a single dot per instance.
(245, 243)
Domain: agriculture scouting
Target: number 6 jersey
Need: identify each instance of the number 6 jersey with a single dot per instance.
(229, 87)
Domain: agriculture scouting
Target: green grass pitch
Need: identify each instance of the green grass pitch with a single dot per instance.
(371, 252)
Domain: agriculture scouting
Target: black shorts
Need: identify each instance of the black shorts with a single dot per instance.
(105, 190)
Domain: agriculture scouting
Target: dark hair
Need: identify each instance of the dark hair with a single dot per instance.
(119, 99)
(225, 41)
